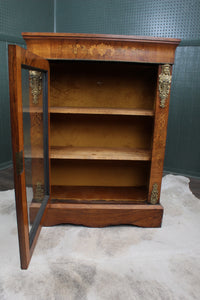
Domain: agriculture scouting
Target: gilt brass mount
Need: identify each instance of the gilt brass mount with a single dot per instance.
(35, 78)
(154, 194)
(39, 191)
(164, 84)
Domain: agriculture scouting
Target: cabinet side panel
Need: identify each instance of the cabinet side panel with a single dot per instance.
(159, 137)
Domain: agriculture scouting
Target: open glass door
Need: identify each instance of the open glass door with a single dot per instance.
(29, 107)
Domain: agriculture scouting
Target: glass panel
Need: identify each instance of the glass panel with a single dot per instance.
(35, 150)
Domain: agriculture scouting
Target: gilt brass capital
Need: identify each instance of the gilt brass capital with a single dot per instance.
(35, 78)
(164, 83)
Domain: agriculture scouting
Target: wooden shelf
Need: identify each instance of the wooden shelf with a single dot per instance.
(90, 153)
(33, 109)
(98, 194)
(100, 153)
(34, 153)
(102, 111)
(92, 111)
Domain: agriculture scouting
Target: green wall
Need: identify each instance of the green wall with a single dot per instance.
(15, 17)
(169, 18)
(179, 19)
(173, 18)
(183, 139)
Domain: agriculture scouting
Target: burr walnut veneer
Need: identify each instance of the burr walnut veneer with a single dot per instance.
(106, 126)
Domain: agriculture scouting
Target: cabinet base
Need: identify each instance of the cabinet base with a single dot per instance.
(101, 215)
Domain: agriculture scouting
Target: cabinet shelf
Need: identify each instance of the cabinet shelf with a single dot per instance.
(33, 109)
(102, 111)
(93, 111)
(100, 153)
(91, 153)
(99, 194)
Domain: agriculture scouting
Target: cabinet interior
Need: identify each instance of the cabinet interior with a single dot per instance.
(102, 119)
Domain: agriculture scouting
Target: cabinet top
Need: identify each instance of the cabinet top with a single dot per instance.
(90, 36)
(106, 47)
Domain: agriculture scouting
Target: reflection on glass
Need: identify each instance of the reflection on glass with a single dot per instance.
(32, 101)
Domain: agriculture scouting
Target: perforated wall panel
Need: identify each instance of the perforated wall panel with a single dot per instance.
(22, 15)
(183, 142)
(169, 18)
(5, 148)
(15, 17)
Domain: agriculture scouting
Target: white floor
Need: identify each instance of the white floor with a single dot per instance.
(113, 263)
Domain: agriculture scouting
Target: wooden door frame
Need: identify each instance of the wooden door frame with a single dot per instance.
(19, 57)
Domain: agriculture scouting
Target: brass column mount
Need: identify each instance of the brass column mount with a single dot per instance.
(164, 83)
(39, 191)
(154, 194)
(35, 78)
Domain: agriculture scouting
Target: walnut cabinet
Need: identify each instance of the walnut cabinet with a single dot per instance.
(89, 122)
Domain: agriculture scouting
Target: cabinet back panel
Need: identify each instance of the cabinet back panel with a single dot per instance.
(103, 84)
(99, 173)
(101, 131)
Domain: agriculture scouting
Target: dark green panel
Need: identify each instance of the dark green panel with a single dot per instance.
(179, 19)
(5, 128)
(16, 17)
(22, 15)
(183, 141)
(167, 18)
(5, 135)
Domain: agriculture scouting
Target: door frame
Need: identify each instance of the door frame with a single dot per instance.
(18, 58)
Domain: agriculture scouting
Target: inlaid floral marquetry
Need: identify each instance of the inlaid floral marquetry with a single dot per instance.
(75, 48)
(101, 49)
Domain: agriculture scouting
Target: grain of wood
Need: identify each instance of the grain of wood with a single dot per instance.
(101, 111)
(99, 153)
(104, 194)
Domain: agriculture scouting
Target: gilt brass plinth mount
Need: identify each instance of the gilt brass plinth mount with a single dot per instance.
(154, 194)
(39, 191)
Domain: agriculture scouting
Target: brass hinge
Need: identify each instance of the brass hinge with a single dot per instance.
(19, 162)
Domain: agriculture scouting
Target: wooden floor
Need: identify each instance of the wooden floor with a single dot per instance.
(6, 182)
